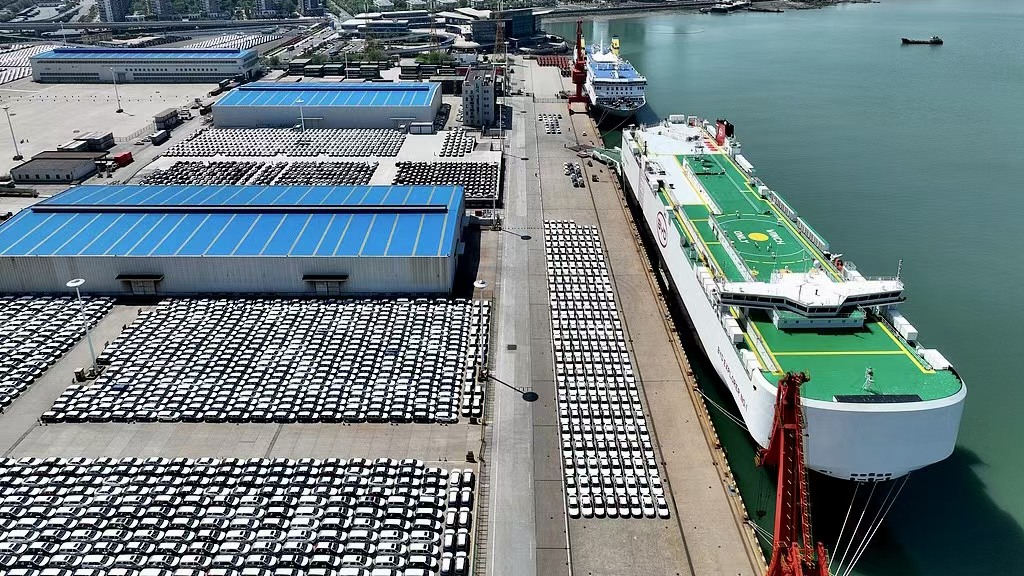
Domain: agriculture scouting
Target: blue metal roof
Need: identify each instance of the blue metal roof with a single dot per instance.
(603, 71)
(148, 221)
(331, 94)
(146, 53)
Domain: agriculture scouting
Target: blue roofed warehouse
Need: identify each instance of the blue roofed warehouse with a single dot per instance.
(289, 240)
(327, 105)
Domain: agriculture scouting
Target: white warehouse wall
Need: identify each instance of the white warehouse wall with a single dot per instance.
(240, 275)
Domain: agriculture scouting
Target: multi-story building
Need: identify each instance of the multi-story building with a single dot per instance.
(114, 10)
(520, 24)
(161, 9)
(154, 65)
(215, 8)
(269, 7)
(479, 98)
(311, 7)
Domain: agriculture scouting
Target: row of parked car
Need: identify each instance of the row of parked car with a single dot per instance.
(35, 332)
(275, 360)
(608, 455)
(255, 517)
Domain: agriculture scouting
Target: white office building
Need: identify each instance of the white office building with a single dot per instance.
(478, 98)
(153, 65)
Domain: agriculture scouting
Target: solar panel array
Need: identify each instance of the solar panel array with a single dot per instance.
(63, 53)
(332, 142)
(14, 61)
(330, 94)
(241, 41)
(261, 173)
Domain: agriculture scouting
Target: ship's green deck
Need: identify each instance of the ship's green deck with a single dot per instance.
(761, 236)
(837, 361)
(766, 240)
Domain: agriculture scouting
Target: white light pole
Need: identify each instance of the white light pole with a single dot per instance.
(17, 153)
(302, 118)
(85, 321)
(113, 75)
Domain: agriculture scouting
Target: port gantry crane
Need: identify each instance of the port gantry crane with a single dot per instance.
(794, 552)
(579, 70)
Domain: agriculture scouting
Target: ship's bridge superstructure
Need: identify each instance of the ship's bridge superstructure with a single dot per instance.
(612, 82)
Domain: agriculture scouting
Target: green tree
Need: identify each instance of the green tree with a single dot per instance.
(374, 51)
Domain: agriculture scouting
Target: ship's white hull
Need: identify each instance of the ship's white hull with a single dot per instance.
(605, 106)
(850, 441)
(621, 112)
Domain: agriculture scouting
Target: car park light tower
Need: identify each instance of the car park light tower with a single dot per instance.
(117, 96)
(17, 152)
(76, 283)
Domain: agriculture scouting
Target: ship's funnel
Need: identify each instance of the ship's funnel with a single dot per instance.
(615, 45)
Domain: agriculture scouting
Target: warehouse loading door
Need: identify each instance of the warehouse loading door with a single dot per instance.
(327, 284)
(141, 284)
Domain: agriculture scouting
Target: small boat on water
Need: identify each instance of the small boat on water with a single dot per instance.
(932, 40)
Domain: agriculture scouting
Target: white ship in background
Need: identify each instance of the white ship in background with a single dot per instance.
(613, 85)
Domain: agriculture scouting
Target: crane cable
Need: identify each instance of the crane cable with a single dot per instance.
(857, 527)
(880, 517)
(845, 521)
(726, 413)
(761, 531)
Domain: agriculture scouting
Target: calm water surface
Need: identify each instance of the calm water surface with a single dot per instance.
(891, 152)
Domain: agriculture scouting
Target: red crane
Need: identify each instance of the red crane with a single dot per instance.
(579, 69)
(794, 552)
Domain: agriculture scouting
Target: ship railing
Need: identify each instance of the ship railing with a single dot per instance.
(761, 349)
(699, 188)
(881, 319)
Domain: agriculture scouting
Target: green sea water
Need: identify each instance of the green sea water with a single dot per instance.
(890, 151)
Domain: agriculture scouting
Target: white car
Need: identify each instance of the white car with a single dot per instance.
(573, 504)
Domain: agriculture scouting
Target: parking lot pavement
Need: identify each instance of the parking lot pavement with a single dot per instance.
(14, 204)
(23, 415)
(35, 333)
(193, 440)
(83, 108)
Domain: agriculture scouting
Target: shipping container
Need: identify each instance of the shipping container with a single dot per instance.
(74, 146)
(159, 137)
(123, 158)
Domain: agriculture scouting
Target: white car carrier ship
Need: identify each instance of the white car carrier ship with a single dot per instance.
(767, 295)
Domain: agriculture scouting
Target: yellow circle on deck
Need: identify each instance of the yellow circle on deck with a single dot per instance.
(757, 236)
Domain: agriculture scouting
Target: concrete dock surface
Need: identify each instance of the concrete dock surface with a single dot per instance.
(705, 535)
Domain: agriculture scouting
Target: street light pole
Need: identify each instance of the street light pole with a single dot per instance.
(85, 321)
(302, 117)
(113, 75)
(17, 153)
